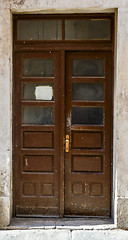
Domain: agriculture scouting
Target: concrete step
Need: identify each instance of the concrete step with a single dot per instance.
(56, 234)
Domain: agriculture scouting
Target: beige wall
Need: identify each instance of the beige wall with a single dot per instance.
(120, 176)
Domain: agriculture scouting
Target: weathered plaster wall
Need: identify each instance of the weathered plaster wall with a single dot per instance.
(7, 7)
(5, 110)
(122, 118)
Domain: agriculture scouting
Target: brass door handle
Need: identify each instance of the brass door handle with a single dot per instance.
(67, 143)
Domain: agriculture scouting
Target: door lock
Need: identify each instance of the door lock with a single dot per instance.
(67, 143)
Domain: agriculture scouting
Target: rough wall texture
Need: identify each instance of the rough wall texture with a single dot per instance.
(122, 118)
(7, 7)
(5, 116)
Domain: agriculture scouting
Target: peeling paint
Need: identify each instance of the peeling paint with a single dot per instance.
(18, 2)
(68, 120)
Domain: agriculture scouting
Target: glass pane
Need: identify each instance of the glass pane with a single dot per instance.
(87, 115)
(39, 30)
(88, 68)
(33, 91)
(38, 115)
(87, 29)
(87, 91)
(38, 67)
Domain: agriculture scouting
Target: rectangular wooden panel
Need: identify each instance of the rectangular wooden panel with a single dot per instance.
(29, 189)
(87, 163)
(38, 163)
(87, 140)
(38, 139)
(78, 188)
(96, 189)
(47, 189)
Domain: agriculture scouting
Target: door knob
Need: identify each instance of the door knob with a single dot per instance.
(67, 143)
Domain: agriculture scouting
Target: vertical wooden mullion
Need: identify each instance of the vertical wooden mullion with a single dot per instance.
(14, 132)
(63, 29)
(16, 124)
(62, 123)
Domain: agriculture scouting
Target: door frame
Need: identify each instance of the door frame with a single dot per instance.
(63, 48)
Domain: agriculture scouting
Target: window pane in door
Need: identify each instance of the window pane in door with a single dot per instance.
(38, 115)
(87, 115)
(38, 67)
(88, 67)
(87, 29)
(39, 30)
(38, 91)
(87, 92)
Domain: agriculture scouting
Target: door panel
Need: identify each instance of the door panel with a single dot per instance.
(88, 125)
(37, 134)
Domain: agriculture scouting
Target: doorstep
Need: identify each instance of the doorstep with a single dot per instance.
(61, 223)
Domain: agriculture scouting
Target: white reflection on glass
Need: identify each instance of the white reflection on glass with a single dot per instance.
(43, 93)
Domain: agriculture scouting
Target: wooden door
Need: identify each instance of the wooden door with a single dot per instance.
(88, 130)
(36, 134)
(38, 147)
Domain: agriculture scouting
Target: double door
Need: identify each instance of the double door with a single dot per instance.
(62, 133)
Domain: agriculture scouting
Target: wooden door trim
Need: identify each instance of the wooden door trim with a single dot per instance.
(62, 111)
(67, 47)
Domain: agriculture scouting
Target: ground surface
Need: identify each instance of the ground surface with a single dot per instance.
(56, 234)
(64, 229)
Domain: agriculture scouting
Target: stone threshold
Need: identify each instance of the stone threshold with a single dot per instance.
(61, 223)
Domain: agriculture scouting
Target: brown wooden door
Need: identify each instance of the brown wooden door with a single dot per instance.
(36, 136)
(38, 147)
(88, 127)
